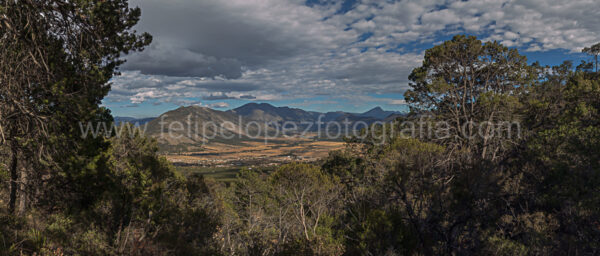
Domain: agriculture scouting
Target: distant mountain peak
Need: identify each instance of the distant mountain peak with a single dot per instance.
(378, 108)
(257, 104)
(254, 106)
(375, 110)
(191, 108)
(378, 112)
(268, 112)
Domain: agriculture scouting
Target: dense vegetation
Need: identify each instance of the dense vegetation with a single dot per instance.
(461, 193)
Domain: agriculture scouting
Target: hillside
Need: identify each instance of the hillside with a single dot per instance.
(269, 113)
(189, 128)
(309, 119)
(132, 120)
(379, 113)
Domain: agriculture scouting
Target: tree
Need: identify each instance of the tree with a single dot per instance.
(147, 208)
(593, 50)
(560, 159)
(311, 195)
(469, 85)
(291, 211)
(56, 58)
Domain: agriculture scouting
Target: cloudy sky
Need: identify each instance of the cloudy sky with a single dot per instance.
(324, 55)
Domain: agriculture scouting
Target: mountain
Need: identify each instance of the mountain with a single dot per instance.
(353, 118)
(132, 120)
(189, 128)
(265, 112)
(379, 113)
(269, 113)
(393, 117)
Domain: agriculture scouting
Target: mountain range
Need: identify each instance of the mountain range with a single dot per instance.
(243, 123)
(268, 113)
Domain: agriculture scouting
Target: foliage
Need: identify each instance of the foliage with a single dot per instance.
(57, 58)
(290, 211)
(465, 83)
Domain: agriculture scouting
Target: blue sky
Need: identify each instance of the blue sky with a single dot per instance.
(324, 55)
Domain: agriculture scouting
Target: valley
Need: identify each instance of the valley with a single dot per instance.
(256, 153)
(222, 162)
(218, 144)
(252, 135)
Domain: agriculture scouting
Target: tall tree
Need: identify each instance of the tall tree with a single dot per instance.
(593, 50)
(469, 85)
(56, 58)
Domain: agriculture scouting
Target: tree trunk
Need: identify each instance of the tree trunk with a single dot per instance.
(13, 182)
(22, 192)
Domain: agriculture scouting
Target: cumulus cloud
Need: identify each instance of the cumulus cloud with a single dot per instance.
(141, 96)
(282, 49)
(539, 24)
(220, 38)
(397, 102)
(218, 105)
(164, 59)
(247, 97)
(137, 88)
(217, 96)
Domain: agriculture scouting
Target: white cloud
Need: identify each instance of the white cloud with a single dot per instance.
(142, 96)
(282, 49)
(397, 102)
(218, 105)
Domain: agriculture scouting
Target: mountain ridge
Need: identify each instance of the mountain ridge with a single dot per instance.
(190, 128)
(270, 113)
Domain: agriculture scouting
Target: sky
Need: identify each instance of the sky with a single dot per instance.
(324, 55)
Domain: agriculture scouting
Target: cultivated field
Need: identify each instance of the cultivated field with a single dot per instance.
(251, 153)
(223, 161)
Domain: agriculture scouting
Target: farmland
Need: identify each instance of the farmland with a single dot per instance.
(223, 161)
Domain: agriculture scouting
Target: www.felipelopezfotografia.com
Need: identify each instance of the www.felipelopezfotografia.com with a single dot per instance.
(378, 132)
